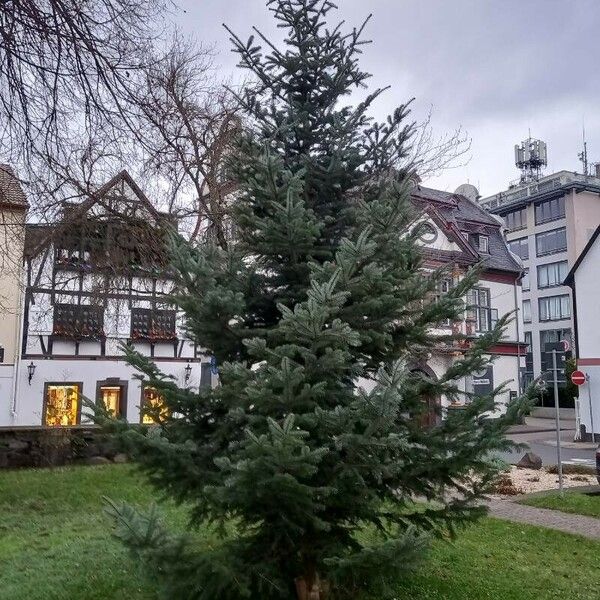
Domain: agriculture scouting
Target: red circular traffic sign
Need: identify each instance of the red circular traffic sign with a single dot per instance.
(567, 347)
(578, 377)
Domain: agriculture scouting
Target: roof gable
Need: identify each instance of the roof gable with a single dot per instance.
(458, 213)
(119, 197)
(11, 191)
(448, 241)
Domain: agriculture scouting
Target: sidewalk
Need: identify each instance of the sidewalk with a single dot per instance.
(541, 425)
(509, 510)
(569, 444)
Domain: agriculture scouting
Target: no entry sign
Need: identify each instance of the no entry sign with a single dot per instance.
(578, 377)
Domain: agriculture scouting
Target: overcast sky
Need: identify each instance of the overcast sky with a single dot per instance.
(496, 68)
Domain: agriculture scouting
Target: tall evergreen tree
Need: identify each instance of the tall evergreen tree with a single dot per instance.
(311, 476)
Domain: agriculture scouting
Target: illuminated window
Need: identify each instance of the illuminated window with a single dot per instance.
(111, 399)
(61, 404)
(153, 400)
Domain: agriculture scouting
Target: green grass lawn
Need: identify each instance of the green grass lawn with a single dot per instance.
(570, 502)
(55, 544)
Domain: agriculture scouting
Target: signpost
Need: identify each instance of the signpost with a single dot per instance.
(578, 377)
(554, 360)
(558, 454)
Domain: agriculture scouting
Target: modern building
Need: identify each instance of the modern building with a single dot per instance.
(95, 280)
(584, 280)
(457, 233)
(548, 222)
(13, 210)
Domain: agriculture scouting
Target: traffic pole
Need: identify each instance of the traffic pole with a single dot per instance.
(589, 387)
(556, 406)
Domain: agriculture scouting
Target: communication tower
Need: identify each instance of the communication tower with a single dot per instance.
(530, 156)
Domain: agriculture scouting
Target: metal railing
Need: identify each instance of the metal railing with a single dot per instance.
(554, 182)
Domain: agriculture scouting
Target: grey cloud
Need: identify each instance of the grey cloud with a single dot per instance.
(496, 67)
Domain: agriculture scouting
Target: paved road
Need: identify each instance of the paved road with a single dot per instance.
(544, 445)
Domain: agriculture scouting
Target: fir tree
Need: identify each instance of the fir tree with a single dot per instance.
(309, 477)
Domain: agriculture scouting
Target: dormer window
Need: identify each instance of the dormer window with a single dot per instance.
(483, 244)
(480, 242)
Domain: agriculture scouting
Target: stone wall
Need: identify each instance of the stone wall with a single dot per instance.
(47, 447)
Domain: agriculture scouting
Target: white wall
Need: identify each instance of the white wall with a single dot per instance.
(587, 291)
(591, 387)
(587, 294)
(89, 372)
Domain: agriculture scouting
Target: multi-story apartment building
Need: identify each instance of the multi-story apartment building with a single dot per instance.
(95, 280)
(547, 223)
(13, 210)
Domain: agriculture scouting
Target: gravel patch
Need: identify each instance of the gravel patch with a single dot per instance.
(528, 481)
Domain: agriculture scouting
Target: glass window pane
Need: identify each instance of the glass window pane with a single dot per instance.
(551, 210)
(552, 274)
(555, 307)
(527, 311)
(111, 399)
(205, 375)
(153, 399)
(550, 242)
(62, 405)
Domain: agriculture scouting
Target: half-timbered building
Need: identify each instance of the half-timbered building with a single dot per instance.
(97, 279)
(458, 233)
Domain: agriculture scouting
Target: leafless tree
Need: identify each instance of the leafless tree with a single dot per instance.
(433, 153)
(64, 63)
(186, 121)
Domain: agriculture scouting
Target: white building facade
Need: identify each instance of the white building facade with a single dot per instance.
(95, 281)
(460, 234)
(584, 280)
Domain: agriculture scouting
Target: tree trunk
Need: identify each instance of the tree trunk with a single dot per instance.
(312, 588)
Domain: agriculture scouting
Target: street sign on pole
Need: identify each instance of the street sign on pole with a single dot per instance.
(562, 354)
(578, 377)
(556, 406)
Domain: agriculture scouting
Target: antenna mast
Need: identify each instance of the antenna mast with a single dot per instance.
(583, 155)
(530, 156)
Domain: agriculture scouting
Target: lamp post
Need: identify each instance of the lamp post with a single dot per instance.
(30, 372)
(188, 372)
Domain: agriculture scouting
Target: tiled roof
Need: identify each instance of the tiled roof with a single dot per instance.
(11, 192)
(467, 215)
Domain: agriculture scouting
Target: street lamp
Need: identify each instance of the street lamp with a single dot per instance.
(188, 372)
(30, 371)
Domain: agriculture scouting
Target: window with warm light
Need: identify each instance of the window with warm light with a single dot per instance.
(154, 400)
(61, 404)
(110, 395)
